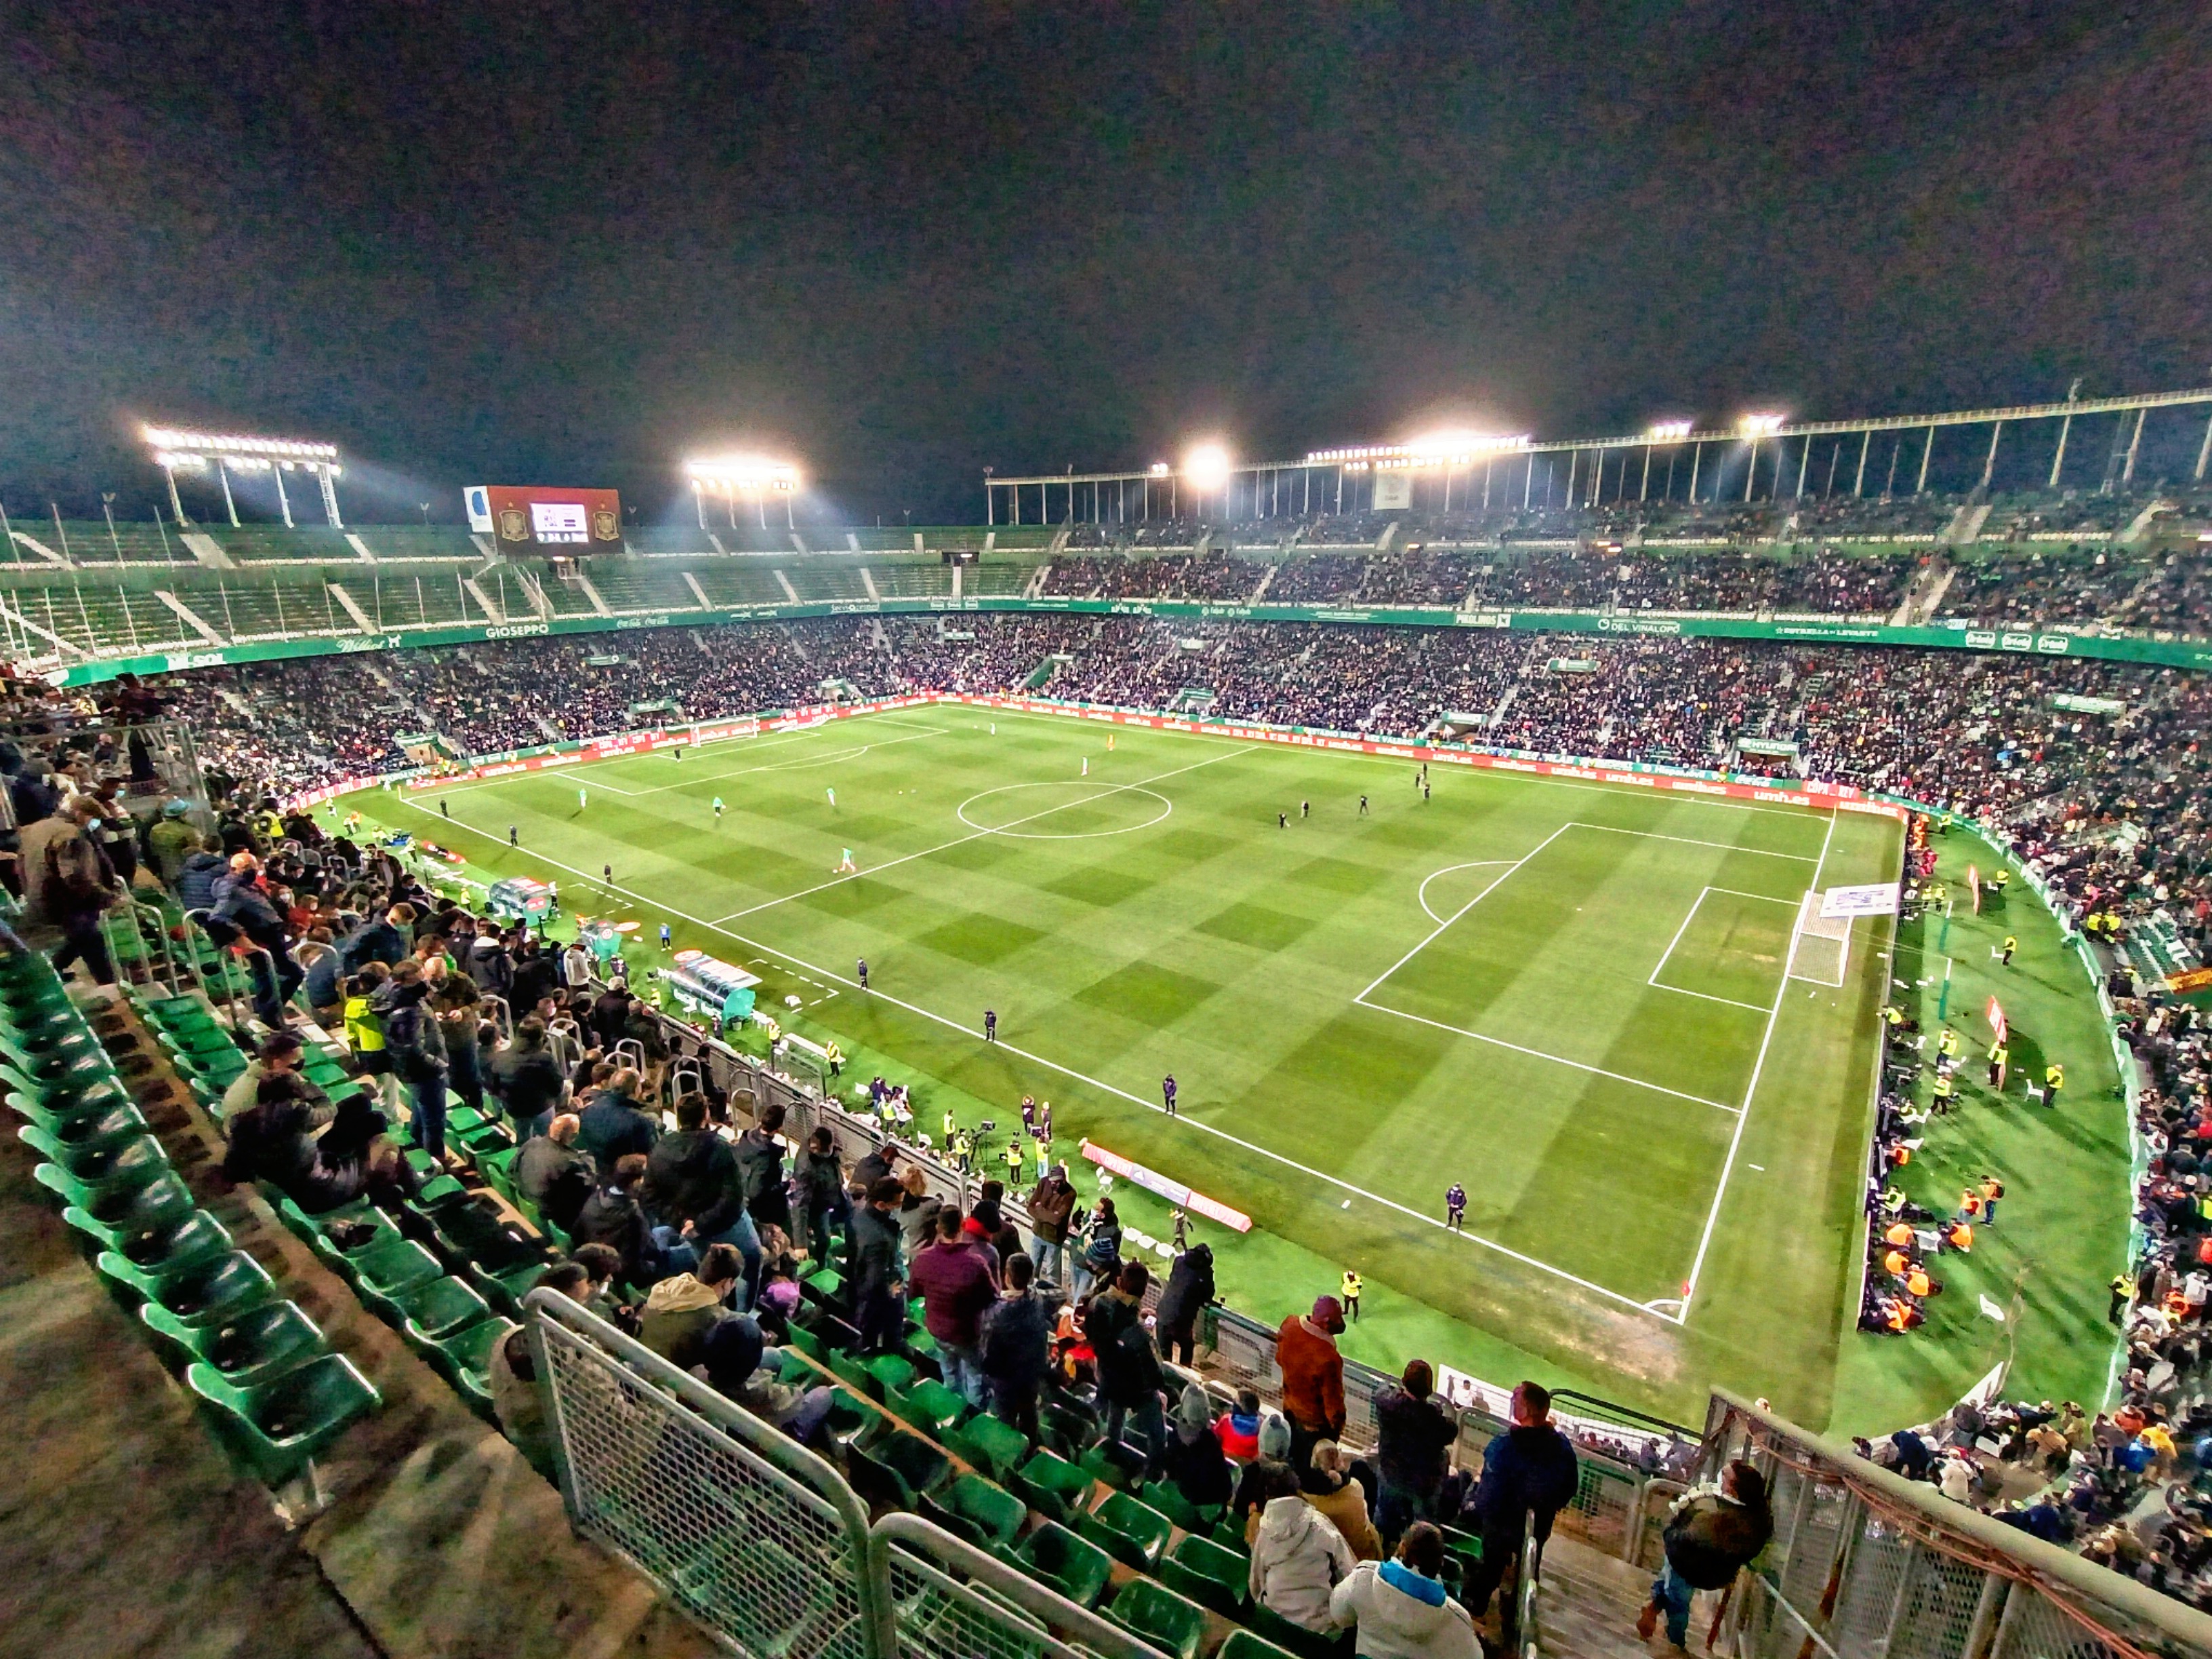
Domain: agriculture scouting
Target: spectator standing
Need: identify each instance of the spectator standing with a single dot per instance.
(67, 883)
(1313, 1377)
(698, 1195)
(818, 1186)
(956, 1287)
(760, 1169)
(1129, 1373)
(1015, 1347)
(1189, 1288)
(878, 1268)
(1527, 1471)
(1414, 1436)
(526, 1079)
(418, 1053)
(1052, 1201)
(1712, 1534)
(612, 1216)
(1400, 1607)
(171, 842)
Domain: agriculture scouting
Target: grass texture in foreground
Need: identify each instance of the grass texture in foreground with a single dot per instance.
(1570, 997)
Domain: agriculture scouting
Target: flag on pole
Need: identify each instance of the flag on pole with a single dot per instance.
(1995, 1015)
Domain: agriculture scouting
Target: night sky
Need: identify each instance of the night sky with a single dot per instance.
(566, 243)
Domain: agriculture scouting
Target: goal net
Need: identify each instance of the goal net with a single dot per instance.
(1821, 945)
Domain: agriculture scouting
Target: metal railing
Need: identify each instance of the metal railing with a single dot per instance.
(1865, 1563)
(761, 1540)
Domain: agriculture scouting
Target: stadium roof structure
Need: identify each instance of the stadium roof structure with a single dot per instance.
(1758, 438)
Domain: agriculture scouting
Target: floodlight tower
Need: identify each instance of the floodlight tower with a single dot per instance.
(176, 452)
(754, 477)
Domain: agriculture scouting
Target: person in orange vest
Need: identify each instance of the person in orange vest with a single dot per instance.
(1960, 1236)
(1897, 1313)
(1895, 1262)
(1970, 1205)
(1992, 1190)
(1918, 1283)
(1900, 1234)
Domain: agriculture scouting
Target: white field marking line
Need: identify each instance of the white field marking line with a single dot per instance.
(833, 757)
(1430, 938)
(1102, 1086)
(1755, 1007)
(1491, 774)
(1103, 790)
(1692, 841)
(1557, 1059)
(588, 768)
(1421, 897)
(1736, 1140)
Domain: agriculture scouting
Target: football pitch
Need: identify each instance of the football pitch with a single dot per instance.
(1589, 1004)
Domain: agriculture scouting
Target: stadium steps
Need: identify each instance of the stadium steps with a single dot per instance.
(1925, 597)
(1587, 1604)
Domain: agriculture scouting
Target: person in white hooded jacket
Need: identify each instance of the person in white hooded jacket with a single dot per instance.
(1297, 1558)
(1401, 1608)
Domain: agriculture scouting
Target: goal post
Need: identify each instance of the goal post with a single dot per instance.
(1819, 945)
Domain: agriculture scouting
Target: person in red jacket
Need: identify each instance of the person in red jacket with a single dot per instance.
(1313, 1377)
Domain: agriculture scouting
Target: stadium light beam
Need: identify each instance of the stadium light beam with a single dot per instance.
(1760, 424)
(1208, 467)
(1668, 431)
(749, 478)
(176, 450)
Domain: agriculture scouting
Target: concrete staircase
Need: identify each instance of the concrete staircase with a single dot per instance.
(1587, 1603)
(1966, 524)
(1924, 598)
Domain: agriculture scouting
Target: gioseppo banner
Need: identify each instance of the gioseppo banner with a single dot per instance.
(526, 520)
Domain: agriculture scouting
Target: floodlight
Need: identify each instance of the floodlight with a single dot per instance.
(235, 447)
(1760, 425)
(1160, 469)
(1206, 466)
(1662, 431)
(743, 475)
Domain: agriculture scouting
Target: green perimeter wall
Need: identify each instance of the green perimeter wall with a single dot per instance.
(2179, 653)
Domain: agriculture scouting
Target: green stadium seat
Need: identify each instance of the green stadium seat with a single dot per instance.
(1114, 1463)
(387, 1269)
(931, 1406)
(188, 1239)
(851, 1417)
(1242, 1644)
(986, 1516)
(432, 1313)
(826, 1287)
(1052, 1486)
(84, 1170)
(1229, 1532)
(991, 1445)
(1167, 1497)
(1127, 1530)
(498, 1170)
(855, 1376)
(68, 1121)
(464, 1359)
(917, 1466)
(1293, 1639)
(120, 1218)
(247, 1346)
(274, 1428)
(1209, 1575)
(205, 1292)
(1077, 1570)
(1160, 1616)
(894, 1376)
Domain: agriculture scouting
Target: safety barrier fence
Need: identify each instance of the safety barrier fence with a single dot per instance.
(760, 1539)
(1865, 1562)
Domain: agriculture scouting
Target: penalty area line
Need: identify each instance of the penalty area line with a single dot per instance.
(1155, 1107)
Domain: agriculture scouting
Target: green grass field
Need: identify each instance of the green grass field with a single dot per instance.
(1570, 997)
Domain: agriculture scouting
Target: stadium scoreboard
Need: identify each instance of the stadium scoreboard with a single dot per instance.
(524, 520)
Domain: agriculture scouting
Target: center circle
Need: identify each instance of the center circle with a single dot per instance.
(1069, 811)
